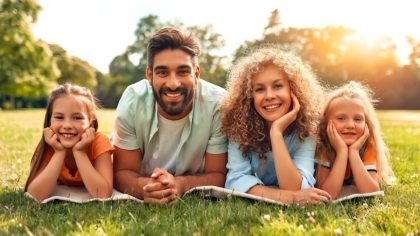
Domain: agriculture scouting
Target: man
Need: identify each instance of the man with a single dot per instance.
(167, 131)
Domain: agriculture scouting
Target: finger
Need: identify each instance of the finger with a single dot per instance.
(366, 131)
(155, 186)
(173, 200)
(324, 194)
(159, 194)
(296, 104)
(157, 172)
(161, 201)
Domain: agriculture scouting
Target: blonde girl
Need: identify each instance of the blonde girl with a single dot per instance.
(70, 151)
(270, 115)
(351, 150)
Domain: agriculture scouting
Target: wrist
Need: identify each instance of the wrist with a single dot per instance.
(180, 185)
(275, 134)
(78, 153)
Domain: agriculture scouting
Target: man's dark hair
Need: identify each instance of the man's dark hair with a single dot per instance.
(172, 38)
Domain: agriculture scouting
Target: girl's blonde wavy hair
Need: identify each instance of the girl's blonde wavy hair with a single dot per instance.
(355, 90)
(240, 121)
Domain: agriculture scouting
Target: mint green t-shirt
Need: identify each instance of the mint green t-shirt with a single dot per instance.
(136, 126)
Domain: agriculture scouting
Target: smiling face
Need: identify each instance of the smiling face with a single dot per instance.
(173, 80)
(348, 117)
(69, 119)
(271, 93)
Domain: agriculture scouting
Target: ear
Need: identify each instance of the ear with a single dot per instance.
(197, 72)
(149, 74)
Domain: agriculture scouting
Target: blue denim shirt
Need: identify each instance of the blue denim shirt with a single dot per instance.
(246, 172)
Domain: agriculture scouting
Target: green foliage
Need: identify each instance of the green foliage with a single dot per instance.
(130, 66)
(73, 69)
(26, 67)
(397, 213)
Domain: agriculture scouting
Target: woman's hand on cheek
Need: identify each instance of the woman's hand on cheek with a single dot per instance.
(85, 140)
(51, 138)
(283, 122)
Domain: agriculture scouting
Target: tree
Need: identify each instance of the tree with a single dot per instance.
(130, 65)
(73, 69)
(26, 67)
(211, 64)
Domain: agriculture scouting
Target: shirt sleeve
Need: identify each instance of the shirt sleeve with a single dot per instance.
(303, 158)
(124, 127)
(239, 177)
(100, 145)
(369, 158)
(218, 141)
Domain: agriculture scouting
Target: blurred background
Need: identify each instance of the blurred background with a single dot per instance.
(102, 44)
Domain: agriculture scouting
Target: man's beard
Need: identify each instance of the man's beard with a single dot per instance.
(174, 108)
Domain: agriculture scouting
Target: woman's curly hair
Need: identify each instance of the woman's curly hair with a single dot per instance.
(241, 122)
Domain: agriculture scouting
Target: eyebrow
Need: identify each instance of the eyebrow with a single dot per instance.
(163, 67)
(275, 81)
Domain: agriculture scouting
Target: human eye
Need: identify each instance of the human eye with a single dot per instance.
(79, 117)
(184, 72)
(259, 89)
(359, 119)
(340, 118)
(58, 117)
(161, 73)
(278, 86)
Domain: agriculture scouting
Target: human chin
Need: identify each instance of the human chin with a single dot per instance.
(68, 141)
(174, 106)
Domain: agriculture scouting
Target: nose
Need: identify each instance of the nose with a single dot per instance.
(269, 94)
(350, 124)
(173, 82)
(67, 124)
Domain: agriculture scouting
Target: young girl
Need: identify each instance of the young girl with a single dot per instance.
(351, 149)
(70, 151)
(270, 116)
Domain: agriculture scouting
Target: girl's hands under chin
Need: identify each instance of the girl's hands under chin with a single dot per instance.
(283, 122)
(85, 140)
(357, 145)
(51, 138)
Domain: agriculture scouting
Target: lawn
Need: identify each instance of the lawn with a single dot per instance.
(397, 213)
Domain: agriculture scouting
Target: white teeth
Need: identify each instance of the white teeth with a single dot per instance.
(173, 94)
(272, 107)
(68, 135)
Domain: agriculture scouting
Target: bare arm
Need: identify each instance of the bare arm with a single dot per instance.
(214, 174)
(43, 184)
(97, 178)
(301, 197)
(127, 165)
(288, 175)
(365, 181)
(331, 180)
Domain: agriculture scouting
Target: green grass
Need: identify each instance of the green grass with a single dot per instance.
(397, 213)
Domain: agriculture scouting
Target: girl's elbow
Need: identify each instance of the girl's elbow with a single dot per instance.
(36, 196)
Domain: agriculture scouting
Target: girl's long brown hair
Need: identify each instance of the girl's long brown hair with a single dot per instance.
(63, 90)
